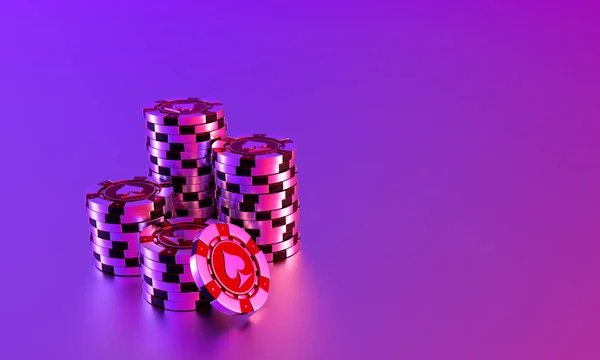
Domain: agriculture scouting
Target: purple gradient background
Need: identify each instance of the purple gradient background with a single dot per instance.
(449, 169)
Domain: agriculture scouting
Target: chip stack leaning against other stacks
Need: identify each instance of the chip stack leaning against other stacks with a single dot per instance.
(165, 251)
(117, 212)
(179, 138)
(257, 189)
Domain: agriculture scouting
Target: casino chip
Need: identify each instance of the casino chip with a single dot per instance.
(257, 198)
(140, 196)
(257, 189)
(197, 147)
(184, 132)
(117, 211)
(280, 246)
(284, 254)
(252, 171)
(190, 111)
(181, 305)
(165, 263)
(230, 269)
(172, 296)
(181, 164)
(203, 213)
(178, 155)
(256, 181)
(262, 224)
(117, 270)
(263, 206)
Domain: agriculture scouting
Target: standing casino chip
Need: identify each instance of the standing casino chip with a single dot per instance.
(230, 269)
(257, 150)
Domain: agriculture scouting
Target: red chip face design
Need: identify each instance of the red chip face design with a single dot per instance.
(230, 269)
(233, 267)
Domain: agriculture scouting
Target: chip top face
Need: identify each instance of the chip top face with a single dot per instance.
(180, 236)
(233, 267)
(256, 145)
(129, 190)
(185, 106)
(177, 233)
(230, 268)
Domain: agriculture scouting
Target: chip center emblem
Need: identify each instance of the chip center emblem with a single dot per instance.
(179, 236)
(185, 107)
(129, 191)
(233, 267)
(254, 146)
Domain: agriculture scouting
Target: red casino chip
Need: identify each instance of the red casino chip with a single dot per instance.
(230, 269)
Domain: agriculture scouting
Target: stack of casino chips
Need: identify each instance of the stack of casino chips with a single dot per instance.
(165, 251)
(257, 190)
(117, 212)
(179, 138)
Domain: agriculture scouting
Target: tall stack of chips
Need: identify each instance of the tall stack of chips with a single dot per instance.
(179, 138)
(117, 212)
(257, 190)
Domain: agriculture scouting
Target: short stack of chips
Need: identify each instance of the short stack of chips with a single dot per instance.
(178, 139)
(117, 212)
(257, 190)
(165, 251)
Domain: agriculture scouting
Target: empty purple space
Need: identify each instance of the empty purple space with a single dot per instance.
(448, 168)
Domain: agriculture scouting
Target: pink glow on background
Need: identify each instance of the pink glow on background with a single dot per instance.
(448, 160)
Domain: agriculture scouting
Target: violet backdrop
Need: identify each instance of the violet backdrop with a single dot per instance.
(448, 159)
